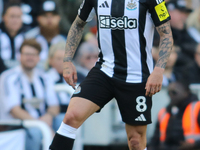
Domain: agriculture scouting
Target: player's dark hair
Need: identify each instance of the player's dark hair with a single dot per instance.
(8, 5)
(31, 42)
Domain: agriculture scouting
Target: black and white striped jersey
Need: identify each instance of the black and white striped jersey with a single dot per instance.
(125, 35)
(33, 96)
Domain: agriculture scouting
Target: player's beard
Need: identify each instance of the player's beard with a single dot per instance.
(49, 32)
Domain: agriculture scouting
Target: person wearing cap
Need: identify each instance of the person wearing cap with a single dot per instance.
(47, 33)
(179, 12)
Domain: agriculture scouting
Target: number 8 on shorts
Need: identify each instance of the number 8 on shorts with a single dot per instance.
(141, 104)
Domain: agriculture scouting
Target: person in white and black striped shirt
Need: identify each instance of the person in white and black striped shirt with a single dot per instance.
(27, 93)
(124, 70)
(11, 32)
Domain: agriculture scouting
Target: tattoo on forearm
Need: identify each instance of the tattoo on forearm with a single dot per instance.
(73, 39)
(165, 46)
(67, 59)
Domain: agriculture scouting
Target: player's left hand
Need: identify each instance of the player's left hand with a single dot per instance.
(154, 82)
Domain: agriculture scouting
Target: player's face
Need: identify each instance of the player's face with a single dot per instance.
(57, 61)
(29, 57)
(13, 18)
(49, 20)
(176, 93)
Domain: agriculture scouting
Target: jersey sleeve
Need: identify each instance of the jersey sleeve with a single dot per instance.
(159, 12)
(86, 11)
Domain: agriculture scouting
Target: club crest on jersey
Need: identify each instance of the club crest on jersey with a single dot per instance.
(131, 5)
(78, 90)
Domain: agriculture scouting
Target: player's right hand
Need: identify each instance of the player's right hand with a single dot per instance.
(69, 73)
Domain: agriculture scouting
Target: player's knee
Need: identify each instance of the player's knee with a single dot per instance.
(72, 119)
(134, 144)
(135, 141)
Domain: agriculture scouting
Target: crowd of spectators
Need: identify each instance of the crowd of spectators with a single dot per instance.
(32, 45)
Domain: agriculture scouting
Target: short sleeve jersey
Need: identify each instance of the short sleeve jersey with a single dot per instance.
(125, 35)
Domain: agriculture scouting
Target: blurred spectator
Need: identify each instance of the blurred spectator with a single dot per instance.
(179, 13)
(86, 57)
(193, 25)
(56, 55)
(29, 9)
(11, 32)
(91, 38)
(178, 126)
(27, 93)
(48, 31)
(191, 71)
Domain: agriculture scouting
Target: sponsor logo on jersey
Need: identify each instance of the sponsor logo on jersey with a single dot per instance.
(108, 22)
(131, 5)
(161, 11)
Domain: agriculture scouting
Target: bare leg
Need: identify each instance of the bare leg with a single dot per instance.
(78, 111)
(136, 136)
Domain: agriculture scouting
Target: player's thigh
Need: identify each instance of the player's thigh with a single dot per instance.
(79, 110)
(90, 96)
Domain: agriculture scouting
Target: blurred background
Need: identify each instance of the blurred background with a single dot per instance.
(34, 96)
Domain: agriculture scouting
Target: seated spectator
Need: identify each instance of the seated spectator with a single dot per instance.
(55, 61)
(86, 58)
(27, 93)
(193, 25)
(179, 13)
(178, 126)
(191, 71)
(48, 31)
(11, 32)
(91, 38)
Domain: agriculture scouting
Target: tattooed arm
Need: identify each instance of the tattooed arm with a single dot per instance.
(154, 82)
(73, 39)
(166, 43)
